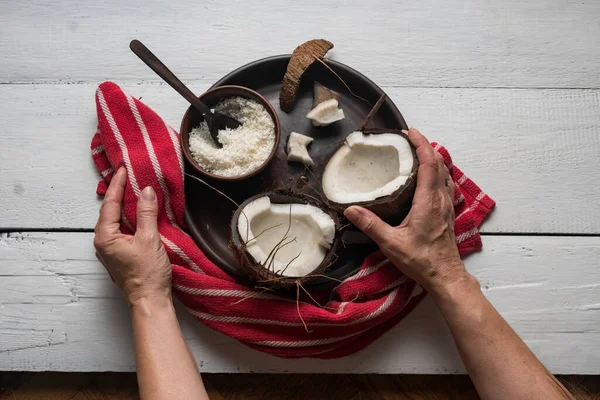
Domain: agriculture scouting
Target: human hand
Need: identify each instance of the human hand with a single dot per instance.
(423, 247)
(138, 263)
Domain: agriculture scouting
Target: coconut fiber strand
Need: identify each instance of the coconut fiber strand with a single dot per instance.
(360, 310)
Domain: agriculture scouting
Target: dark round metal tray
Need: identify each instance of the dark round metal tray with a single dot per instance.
(208, 214)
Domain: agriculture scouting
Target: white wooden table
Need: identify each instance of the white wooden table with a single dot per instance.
(511, 88)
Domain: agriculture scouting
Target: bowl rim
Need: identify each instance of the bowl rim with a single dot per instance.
(254, 96)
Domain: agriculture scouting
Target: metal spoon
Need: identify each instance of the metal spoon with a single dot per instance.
(216, 121)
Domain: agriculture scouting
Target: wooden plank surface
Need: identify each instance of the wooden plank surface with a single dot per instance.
(514, 43)
(109, 386)
(61, 312)
(536, 152)
(511, 88)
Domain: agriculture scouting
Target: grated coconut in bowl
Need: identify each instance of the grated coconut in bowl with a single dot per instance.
(244, 149)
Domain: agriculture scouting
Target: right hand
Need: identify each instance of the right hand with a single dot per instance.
(423, 247)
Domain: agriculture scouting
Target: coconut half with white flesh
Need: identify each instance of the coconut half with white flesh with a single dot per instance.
(374, 169)
(283, 238)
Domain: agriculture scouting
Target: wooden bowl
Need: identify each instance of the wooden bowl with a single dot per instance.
(193, 117)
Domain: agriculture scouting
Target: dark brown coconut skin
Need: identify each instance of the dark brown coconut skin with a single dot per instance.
(260, 274)
(302, 57)
(395, 206)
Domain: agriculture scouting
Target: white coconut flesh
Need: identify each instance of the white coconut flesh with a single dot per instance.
(325, 113)
(291, 239)
(297, 149)
(367, 167)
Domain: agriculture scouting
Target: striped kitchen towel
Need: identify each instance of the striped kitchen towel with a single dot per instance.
(360, 309)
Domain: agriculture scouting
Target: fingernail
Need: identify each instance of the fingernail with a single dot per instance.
(148, 194)
(352, 213)
(404, 131)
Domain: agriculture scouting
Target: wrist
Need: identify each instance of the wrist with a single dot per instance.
(150, 303)
(452, 286)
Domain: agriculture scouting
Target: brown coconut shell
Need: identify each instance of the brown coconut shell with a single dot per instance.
(373, 112)
(302, 57)
(395, 206)
(260, 274)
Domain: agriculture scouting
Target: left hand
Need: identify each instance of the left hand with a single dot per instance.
(138, 263)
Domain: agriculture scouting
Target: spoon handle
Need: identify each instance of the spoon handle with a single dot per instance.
(161, 70)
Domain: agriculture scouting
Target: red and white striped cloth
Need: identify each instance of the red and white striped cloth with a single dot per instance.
(359, 310)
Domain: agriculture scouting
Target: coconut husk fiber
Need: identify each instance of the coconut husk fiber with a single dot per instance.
(302, 57)
(373, 112)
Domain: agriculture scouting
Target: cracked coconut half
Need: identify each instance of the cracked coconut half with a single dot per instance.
(375, 169)
(283, 236)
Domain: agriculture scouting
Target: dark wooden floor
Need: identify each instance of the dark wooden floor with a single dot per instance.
(109, 386)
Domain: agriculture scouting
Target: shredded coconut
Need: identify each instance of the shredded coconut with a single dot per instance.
(245, 148)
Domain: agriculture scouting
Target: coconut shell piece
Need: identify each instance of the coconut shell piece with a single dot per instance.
(260, 274)
(373, 112)
(302, 57)
(395, 206)
(321, 94)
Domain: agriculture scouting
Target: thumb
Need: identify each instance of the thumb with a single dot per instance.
(147, 212)
(369, 223)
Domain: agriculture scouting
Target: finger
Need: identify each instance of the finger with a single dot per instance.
(425, 152)
(370, 224)
(443, 173)
(110, 210)
(451, 189)
(147, 213)
(444, 179)
(429, 174)
(428, 167)
(416, 137)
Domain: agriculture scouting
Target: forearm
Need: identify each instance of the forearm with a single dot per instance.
(166, 368)
(501, 366)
